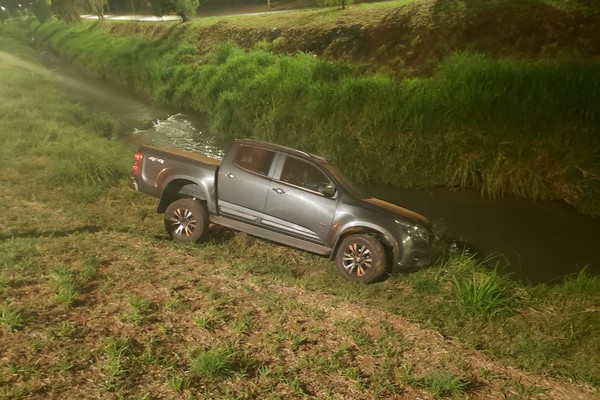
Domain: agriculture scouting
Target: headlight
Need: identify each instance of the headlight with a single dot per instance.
(415, 231)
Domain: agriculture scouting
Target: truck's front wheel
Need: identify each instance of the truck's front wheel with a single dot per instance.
(361, 258)
(186, 221)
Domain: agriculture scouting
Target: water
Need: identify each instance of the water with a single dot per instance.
(140, 121)
(535, 242)
(182, 131)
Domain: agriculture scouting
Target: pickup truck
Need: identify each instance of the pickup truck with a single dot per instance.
(286, 196)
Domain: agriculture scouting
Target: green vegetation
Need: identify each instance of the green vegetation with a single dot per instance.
(444, 384)
(458, 118)
(484, 294)
(237, 317)
(212, 363)
(10, 317)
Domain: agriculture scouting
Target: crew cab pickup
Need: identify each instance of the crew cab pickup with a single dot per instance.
(286, 196)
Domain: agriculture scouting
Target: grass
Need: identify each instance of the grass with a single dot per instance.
(443, 384)
(212, 363)
(238, 317)
(10, 317)
(139, 309)
(484, 295)
(65, 283)
(116, 351)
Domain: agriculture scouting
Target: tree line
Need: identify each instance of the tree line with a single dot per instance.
(72, 10)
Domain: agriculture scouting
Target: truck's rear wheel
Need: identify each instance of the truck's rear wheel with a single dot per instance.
(186, 221)
(361, 258)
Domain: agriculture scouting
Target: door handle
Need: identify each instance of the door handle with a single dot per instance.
(229, 175)
(279, 190)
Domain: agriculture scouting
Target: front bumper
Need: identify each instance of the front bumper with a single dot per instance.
(415, 253)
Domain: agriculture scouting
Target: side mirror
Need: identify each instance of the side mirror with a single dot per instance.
(328, 190)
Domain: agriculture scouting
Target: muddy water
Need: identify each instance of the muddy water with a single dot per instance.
(536, 242)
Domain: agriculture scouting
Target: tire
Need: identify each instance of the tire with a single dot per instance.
(186, 221)
(361, 258)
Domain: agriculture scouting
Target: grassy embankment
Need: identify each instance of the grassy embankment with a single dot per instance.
(94, 302)
(500, 125)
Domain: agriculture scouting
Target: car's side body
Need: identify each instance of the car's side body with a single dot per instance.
(284, 195)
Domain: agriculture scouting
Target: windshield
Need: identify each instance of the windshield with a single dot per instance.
(346, 184)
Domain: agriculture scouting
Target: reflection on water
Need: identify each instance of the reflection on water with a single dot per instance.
(179, 131)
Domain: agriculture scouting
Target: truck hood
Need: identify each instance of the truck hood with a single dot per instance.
(382, 206)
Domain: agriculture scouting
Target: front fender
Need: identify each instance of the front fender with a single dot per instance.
(393, 240)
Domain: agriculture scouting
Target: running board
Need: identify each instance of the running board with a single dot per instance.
(270, 235)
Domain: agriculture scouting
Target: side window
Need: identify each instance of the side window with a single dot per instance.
(301, 173)
(254, 159)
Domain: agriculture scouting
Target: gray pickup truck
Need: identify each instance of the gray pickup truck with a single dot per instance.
(286, 196)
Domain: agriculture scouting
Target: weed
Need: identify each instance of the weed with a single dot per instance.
(484, 294)
(298, 340)
(65, 283)
(116, 351)
(149, 356)
(212, 363)
(583, 283)
(64, 329)
(244, 324)
(11, 317)
(442, 383)
(209, 320)
(139, 309)
(65, 364)
(178, 383)
(205, 322)
(15, 392)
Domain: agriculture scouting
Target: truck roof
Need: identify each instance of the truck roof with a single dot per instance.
(278, 147)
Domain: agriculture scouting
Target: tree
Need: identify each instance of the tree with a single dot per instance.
(184, 8)
(336, 3)
(96, 7)
(71, 10)
(41, 10)
(67, 10)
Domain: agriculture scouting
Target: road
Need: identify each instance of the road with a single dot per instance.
(277, 6)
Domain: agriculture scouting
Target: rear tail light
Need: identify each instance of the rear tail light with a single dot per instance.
(137, 159)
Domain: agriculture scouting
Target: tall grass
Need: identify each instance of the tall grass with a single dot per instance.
(583, 283)
(503, 126)
(485, 295)
(42, 129)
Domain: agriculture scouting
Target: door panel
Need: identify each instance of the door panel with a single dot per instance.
(244, 184)
(294, 203)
